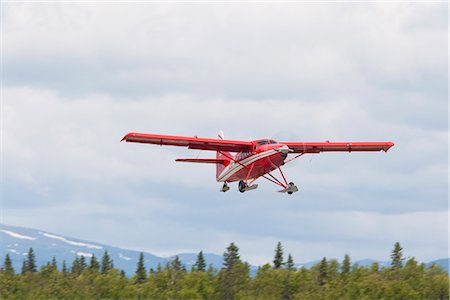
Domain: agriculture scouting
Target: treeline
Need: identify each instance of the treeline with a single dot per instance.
(329, 279)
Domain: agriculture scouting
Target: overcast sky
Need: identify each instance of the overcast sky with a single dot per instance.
(77, 77)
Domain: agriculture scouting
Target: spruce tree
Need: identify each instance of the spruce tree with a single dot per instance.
(94, 264)
(176, 264)
(234, 275)
(323, 272)
(64, 268)
(141, 272)
(278, 259)
(287, 295)
(31, 261)
(346, 265)
(290, 263)
(76, 266)
(23, 271)
(83, 264)
(231, 256)
(200, 264)
(54, 264)
(397, 256)
(107, 263)
(7, 267)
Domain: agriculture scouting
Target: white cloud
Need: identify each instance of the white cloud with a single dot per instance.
(289, 71)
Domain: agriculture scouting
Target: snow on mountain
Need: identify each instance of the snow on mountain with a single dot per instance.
(18, 236)
(18, 240)
(69, 241)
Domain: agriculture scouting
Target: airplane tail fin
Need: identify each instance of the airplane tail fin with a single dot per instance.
(222, 155)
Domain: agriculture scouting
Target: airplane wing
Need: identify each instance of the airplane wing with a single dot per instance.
(190, 142)
(317, 147)
(202, 160)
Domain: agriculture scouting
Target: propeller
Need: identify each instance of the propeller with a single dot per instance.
(287, 136)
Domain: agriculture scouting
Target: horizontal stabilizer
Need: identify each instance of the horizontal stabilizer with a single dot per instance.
(202, 160)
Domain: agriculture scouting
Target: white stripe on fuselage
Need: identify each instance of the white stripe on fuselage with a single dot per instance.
(235, 167)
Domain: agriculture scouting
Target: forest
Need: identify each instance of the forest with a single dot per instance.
(96, 278)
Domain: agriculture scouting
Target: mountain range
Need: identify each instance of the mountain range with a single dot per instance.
(18, 240)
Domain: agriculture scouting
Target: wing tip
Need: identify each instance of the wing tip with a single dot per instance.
(389, 145)
(125, 138)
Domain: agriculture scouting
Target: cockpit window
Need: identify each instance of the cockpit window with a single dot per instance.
(265, 142)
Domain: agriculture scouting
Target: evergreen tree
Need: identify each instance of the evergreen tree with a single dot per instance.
(54, 264)
(7, 267)
(107, 263)
(231, 256)
(200, 264)
(31, 261)
(83, 264)
(375, 267)
(64, 268)
(323, 272)
(278, 260)
(290, 263)
(233, 278)
(397, 256)
(94, 264)
(287, 295)
(76, 266)
(24, 268)
(176, 264)
(141, 272)
(346, 265)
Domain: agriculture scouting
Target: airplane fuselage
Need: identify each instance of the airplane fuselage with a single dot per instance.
(265, 157)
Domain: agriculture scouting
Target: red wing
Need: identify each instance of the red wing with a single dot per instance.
(190, 142)
(317, 147)
(202, 160)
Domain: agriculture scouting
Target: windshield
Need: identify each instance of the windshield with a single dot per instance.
(265, 142)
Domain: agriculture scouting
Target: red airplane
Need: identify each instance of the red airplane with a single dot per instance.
(254, 159)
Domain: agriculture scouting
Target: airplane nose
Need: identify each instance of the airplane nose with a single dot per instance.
(283, 149)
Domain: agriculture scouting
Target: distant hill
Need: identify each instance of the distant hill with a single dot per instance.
(18, 240)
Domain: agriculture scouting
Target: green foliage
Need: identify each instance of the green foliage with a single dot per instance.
(200, 264)
(231, 256)
(30, 263)
(278, 259)
(233, 279)
(326, 280)
(322, 272)
(141, 272)
(7, 266)
(107, 263)
(397, 256)
(346, 265)
(64, 268)
(290, 263)
(94, 265)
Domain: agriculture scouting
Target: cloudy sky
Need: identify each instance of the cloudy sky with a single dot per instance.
(78, 76)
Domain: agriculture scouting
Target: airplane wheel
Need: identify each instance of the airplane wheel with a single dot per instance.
(291, 184)
(242, 186)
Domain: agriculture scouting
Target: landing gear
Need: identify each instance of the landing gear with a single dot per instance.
(291, 184)
(225, 187)
(290, 189)
(242, 186)
(245, 187)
